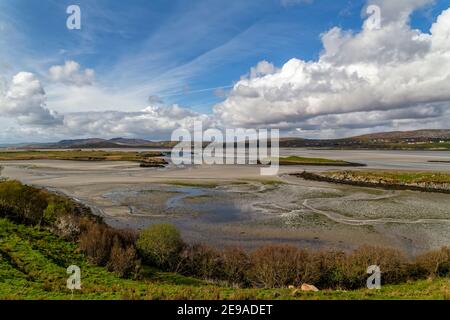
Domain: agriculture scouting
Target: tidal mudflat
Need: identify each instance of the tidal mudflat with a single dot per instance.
(229, 205)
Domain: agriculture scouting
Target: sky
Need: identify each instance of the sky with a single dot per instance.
(139, 68)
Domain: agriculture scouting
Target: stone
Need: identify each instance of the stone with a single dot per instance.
(309, 287)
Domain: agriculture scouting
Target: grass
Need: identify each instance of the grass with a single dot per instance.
(421, 146)
(431, 289)
(294, 160)
(373, 145)
(400, 177)
(147, 159)
(94, 155)
(33, 266)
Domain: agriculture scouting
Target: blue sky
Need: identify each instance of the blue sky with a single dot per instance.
(189, 53)
(192, 45)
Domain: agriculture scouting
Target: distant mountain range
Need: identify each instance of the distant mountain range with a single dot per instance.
(393, 140)
(383, 140)
(92, 143)
(407, 135)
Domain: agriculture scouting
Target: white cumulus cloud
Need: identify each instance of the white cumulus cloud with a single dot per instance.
(390, 74)
(25, 100)
(70, 73)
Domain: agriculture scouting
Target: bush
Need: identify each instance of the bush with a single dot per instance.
(327, 268)
(434, 263)
(235, 264)
(392, 263)
(27, 203)
(336, 269)
(67, 227)
(32, 206)
(123, 261)
(57, 207)
(97, 241)
(201, 261)
(160, 245)
(275, 266)
(7, 211)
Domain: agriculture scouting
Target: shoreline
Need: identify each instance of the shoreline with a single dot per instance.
(359, 183)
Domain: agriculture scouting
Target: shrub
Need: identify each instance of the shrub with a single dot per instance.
(392, 263)
(326, 268)
(97, 241)
(235, 264)
(32, 206)
(67, 227)
(28, 203)
(336, 269)
(57, 206)
(434, 263)
(7, 211)
(160, 245)
(277, 266)
(201, 261)
(123, 261)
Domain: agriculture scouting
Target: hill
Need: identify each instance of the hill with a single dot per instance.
(406, 135)
(33, 265)
(97, 143)
(396, 140)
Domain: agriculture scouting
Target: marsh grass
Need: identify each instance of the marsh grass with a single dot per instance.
(398, 176)
(78, 155)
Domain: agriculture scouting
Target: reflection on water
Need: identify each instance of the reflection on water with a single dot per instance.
(421, 220)
(208, 205)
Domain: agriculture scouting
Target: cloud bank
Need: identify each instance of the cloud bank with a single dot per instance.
(25, 101)
(364, 79)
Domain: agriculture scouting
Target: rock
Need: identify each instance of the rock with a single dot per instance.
(153, 163)
(309, 287)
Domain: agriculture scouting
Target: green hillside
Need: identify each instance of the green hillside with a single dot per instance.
(33, 265)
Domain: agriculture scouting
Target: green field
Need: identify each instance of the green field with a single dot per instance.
(33, 265)
(421, 146)
(400, 177)
(149, 158)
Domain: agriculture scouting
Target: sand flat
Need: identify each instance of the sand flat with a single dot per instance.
(226, 205)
